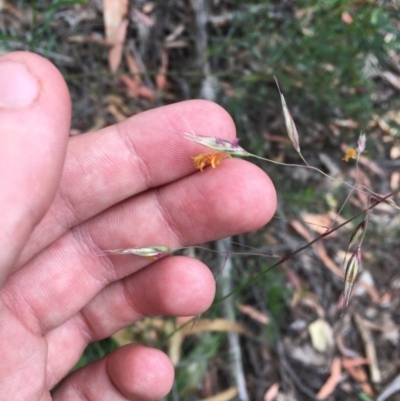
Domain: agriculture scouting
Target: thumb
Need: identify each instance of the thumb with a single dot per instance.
(34, 126)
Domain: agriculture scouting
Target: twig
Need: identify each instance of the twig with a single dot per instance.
(209, 83)
(284, 259)
(370, 350)
(233, 337)
(391, 388)
(290, 371)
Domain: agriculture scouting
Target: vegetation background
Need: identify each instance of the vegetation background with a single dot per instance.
(279, 337)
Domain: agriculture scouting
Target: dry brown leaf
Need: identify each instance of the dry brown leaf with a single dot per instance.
(114, 13)
(161, 78)
(312, 301)
(99, 122)
(116, 26)
(133, 67)
(347, 18)
(174, 343)
(357, 373)
(301, 230)
(115, 54)
(392, 79)
(148, 8)
(11, 9)
(345, 123)
(371, 291)
(372, 166)
(226, 395)
(294, 279)
(147, 93)
(254, 313)
(275, 138)
(370, 349)
(318, 222)
(318, 248)
(353, 362)
(271, 393)
(327, 261)
(135, 90)
(394, 180)
(333, 380)
(145, 19)
(118, 115)
(132, 86)
(180, 320)
(214, 325)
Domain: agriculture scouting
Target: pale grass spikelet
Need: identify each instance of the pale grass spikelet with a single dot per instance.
(350, 276)
(150, 252)
(361, 142)
(220, 145)
(350, 153)
(357, 234)
(289, 122)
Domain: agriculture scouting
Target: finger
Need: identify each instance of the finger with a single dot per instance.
(133, 372)
(236, 197)
(34, 127)
(176, 286)
(145, 151)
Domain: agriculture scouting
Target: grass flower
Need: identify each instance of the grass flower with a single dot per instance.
(361, 142)
(350, 153)
(209, 159)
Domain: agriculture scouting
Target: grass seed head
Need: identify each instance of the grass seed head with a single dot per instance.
(220, 145)
(357, 232)
(350, 276)
(150, 252)
(289, 122)
(361, 143)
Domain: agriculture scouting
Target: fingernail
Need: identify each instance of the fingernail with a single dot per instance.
(18, 88)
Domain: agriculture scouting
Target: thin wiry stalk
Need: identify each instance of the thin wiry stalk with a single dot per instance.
(292, 254)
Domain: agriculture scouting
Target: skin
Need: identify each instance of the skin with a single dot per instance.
(63, 200)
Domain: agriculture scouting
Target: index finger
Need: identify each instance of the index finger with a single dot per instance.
(115, 163)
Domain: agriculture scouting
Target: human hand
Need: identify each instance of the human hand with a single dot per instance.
(63, 200)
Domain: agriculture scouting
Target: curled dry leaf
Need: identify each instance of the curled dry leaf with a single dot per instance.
(161, 77)
(318, 248)
(318, 222)
(254, 313)
(347, 18)
(333, 380)
(272, 393)
(143, 18)
(131, 84)
(116, 26)
(133, 67)
(114, 13)
(115, 54)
